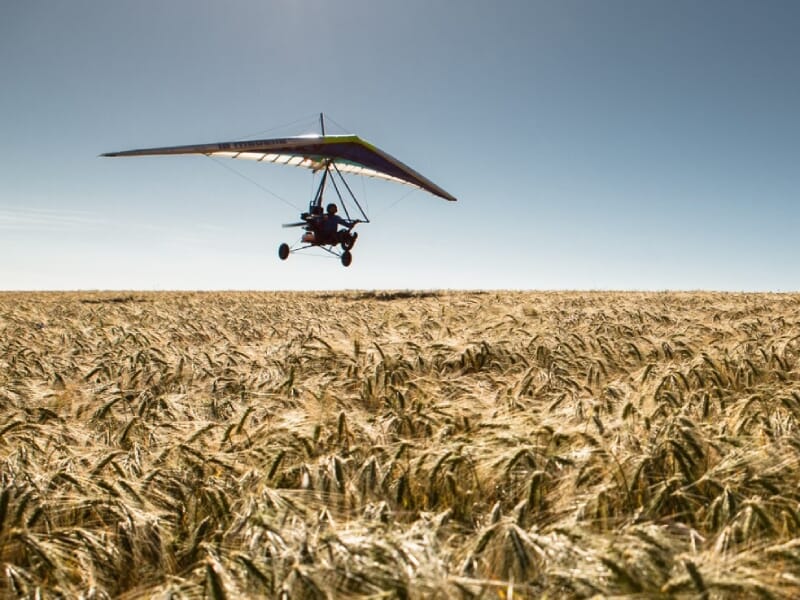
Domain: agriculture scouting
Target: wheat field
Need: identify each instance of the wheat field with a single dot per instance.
(399, 445)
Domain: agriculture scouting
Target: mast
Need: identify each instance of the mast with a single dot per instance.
(317, 201)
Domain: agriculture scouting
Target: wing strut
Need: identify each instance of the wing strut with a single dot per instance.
(317, 201)
(318, 196)
(349, 191)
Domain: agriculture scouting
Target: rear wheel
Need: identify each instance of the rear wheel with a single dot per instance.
(283, 251)
(347, 258)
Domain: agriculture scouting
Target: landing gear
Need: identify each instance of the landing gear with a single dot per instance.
(283, 251)
(347, 258)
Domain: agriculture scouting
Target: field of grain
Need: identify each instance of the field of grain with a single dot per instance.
(399, 445)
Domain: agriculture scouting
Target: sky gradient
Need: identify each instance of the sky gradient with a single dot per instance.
(627, 145)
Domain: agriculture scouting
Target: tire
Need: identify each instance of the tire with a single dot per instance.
(347, 258)
(348, 243)
(283, 251)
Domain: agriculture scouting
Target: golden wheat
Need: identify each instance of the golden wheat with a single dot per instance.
(399, 444)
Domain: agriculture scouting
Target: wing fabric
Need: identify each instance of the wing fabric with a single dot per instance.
(349, 153)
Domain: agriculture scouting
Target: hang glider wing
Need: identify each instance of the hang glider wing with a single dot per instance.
(347, 153)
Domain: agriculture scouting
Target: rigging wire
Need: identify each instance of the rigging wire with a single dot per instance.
(255, 183)
(307, 119)
(329, 120)
(398, 201)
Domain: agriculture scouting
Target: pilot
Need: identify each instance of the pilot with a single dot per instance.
(329, 226)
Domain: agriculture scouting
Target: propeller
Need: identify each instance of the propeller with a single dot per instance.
(298, 224)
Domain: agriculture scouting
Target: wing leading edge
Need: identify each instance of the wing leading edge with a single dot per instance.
(349, 154)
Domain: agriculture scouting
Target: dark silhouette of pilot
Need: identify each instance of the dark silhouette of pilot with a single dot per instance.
(329, 223)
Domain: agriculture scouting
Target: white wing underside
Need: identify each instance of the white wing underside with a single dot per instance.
(294, 160)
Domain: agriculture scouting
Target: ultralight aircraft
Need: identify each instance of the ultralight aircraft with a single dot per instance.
(332, 156)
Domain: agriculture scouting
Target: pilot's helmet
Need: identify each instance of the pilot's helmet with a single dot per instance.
(332, 210)
(317, 210)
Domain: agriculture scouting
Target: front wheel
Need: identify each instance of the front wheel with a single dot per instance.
(283, 251)
(347, 258)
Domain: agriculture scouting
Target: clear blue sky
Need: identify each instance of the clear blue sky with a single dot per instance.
(592, 144)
